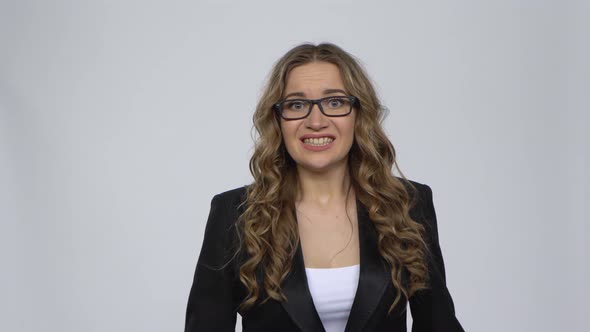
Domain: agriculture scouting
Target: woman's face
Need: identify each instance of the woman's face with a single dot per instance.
(332, 136)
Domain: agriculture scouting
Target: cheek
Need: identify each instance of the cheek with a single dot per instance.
(288, 131)
(348, 128)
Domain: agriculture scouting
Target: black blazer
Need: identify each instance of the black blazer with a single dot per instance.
(216, 291)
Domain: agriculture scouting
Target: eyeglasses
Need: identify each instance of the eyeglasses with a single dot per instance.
(333, 106)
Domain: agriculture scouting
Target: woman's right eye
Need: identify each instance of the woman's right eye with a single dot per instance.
(295, 105)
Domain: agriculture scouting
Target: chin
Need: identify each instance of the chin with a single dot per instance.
(319, 166)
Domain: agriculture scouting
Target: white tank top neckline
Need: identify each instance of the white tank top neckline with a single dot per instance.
(333, 291)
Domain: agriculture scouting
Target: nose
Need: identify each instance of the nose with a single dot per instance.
(316, 120)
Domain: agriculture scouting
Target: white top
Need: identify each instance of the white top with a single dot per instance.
(333, 291)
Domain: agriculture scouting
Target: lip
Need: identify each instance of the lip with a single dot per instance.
(317, 136)
(317, 148)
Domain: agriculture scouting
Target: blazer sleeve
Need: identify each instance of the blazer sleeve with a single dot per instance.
(433, 309)
(210, 305)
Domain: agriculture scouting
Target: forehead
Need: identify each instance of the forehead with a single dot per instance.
(314, 77)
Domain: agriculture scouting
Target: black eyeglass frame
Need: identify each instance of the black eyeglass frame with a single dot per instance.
(354, 102)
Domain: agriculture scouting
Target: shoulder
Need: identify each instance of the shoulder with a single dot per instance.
(408, 182)
(421, 204)
(231, 201)
(219, 237)
(226, 207)
(417, 191)
(232, 197)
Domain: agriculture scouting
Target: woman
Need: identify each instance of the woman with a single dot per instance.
(325, 238)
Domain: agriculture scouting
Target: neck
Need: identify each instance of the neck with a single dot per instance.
(323, 189)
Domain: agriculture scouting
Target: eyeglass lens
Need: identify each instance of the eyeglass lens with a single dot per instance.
(331, 106)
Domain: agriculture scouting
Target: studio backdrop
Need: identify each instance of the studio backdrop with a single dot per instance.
(119, 121)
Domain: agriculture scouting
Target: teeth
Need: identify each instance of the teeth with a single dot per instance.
(318, 141)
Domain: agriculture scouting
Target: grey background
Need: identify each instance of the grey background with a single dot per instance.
(121, 119)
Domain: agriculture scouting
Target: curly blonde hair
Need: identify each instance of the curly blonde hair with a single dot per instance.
(267, 228)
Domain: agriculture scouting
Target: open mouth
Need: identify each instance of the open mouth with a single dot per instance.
(318, 141)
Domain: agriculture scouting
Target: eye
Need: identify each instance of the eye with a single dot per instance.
(335, 102)
(295, 105)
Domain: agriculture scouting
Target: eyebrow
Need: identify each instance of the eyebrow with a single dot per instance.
(326, 92)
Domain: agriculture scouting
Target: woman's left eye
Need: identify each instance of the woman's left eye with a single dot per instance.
(335, 102)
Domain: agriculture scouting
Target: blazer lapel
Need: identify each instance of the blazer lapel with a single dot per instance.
(373, 281)
(299, 302)
(374, 276)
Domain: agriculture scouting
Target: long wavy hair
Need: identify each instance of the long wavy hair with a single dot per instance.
(267, 227)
